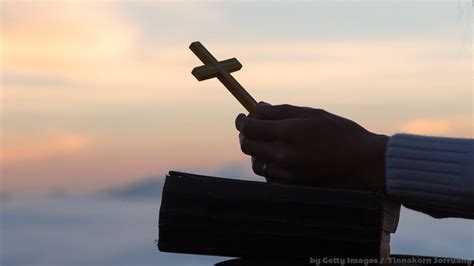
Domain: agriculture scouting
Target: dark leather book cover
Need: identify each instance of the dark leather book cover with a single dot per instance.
(226, 217)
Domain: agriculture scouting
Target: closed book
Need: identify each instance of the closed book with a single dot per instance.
(225, 217)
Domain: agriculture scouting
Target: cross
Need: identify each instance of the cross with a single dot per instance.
(221, 70)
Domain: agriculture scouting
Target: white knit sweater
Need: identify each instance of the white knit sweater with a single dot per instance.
(434, 175)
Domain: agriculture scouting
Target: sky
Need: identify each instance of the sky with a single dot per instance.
(100, 94)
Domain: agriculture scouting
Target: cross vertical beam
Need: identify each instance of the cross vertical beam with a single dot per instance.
(221, 70)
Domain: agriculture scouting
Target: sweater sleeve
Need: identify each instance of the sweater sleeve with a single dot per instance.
(433, 175)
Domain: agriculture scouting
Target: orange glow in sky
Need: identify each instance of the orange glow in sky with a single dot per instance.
(94, 95)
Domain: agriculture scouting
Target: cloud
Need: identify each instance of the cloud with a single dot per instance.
(69, 56)
(146, 189)
(272, 71)
(69, 40)
(114, 232)
(110, 232)
(58, 30)
(237, 170)
(151, 187)
(120, 72)
(460, 126)
(415, 236)
(19, 150)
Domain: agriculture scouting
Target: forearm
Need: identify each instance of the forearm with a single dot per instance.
(431, 174)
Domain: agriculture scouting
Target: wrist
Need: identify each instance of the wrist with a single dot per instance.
(374, 171)
(380, 144)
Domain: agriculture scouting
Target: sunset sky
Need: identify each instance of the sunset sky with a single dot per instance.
(94, 95)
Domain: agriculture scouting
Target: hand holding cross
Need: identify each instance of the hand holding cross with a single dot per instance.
(221, 70)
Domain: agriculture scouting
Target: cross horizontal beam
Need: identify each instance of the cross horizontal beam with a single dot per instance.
(221, 70)
(211, 71)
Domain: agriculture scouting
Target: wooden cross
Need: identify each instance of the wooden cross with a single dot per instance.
(221, 70)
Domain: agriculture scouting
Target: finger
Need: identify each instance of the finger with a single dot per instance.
(284, 111)
(273, 172)
(257, 129)
(257, 148)
(271, 151)
(257, 166)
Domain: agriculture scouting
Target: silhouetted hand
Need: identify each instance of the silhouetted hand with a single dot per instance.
(306, 146)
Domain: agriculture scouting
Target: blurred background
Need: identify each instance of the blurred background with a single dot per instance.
(98, 103)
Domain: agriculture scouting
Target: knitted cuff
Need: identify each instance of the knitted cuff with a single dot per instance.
(431, 174)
